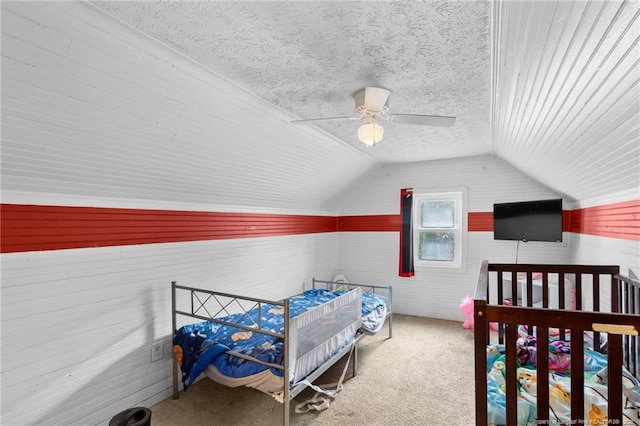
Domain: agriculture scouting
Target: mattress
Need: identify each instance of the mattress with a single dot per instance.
(322, 321)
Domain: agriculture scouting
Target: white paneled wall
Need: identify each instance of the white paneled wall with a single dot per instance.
(78, 325)
(586, 249)
(96, 114)
(373, 257)
(487, 179)
(589, 249)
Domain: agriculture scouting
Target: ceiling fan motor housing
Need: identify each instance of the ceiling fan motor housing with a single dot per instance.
(372, 101)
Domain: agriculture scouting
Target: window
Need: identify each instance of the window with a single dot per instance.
(439, 229)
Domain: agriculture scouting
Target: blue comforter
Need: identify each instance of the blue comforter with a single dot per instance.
(198, 345)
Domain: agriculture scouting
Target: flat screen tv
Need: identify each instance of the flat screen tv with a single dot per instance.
(528, 221)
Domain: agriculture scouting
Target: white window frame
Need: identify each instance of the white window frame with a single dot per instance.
(459, 229)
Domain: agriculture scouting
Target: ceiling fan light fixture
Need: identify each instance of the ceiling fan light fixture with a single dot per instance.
(370, 133)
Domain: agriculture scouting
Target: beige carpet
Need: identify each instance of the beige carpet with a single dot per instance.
(422, 376)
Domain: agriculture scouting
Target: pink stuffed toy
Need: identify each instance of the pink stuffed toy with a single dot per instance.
(466, 307)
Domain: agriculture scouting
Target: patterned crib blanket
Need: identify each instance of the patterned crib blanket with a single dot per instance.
(198, 345)
(595, 388)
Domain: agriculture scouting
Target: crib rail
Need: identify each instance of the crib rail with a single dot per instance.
(553, 282)
(629, 303)
(621, 349)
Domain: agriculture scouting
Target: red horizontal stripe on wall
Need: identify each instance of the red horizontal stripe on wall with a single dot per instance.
(480, 221)
(566, 221)
(370, 223)
(620, 220)
(35, 228)
(483, 221)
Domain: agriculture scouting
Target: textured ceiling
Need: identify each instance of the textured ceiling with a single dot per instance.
(309, 57)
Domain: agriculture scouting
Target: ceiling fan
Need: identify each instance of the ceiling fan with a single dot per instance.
(371, 104)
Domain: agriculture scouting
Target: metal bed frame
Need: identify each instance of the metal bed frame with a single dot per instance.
(206, 305)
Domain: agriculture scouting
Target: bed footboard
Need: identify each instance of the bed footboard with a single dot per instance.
(207, 305)
(614, 329)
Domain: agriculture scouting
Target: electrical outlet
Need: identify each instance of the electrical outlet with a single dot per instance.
(156, 351)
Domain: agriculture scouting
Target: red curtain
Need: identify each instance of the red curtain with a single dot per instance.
(406, 233)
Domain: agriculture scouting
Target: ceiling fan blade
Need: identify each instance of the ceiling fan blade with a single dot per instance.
(375, 98)
(425, 120)
(310, 120)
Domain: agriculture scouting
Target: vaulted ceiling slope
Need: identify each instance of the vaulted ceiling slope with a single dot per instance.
(566, 98)
(549, 86)
(96, 113)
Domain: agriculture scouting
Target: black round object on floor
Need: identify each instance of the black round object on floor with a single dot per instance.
(137, 416)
